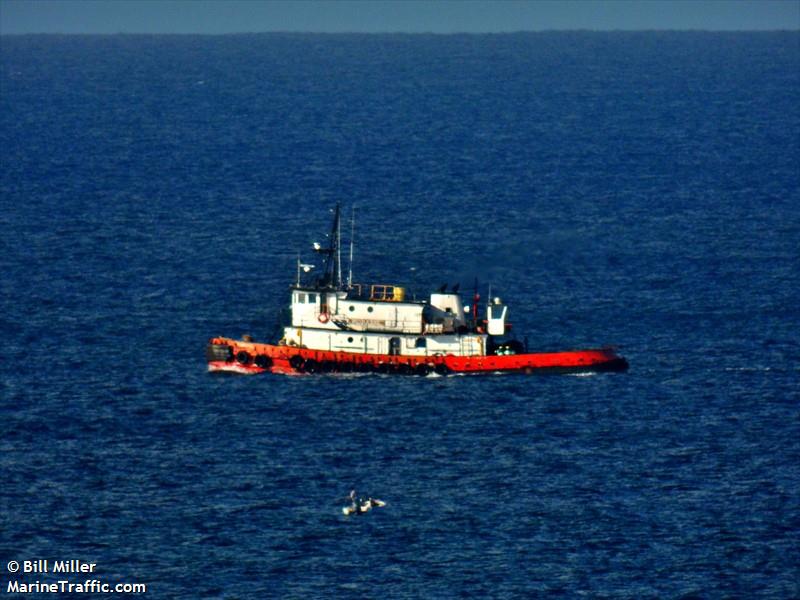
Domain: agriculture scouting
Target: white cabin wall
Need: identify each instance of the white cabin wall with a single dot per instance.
(306, 314)
(450, 304)
(305, 308)
(378, 343)
(496, 319)
(398, 316)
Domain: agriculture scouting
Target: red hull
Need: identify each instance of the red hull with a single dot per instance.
(235, 356)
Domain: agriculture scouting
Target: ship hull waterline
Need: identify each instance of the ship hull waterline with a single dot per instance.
(225, 355)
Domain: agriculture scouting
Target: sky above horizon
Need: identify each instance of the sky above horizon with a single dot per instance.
(378, 16)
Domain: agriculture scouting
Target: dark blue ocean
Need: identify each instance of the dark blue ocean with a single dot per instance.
(640, 190)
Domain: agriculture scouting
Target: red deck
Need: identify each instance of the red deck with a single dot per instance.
(236, 356)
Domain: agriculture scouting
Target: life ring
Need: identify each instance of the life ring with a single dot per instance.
(243, 357)
(324, 317)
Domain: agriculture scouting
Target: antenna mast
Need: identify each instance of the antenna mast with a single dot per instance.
(352, 235)
(338, 249)
(333, 256)
(476, 297)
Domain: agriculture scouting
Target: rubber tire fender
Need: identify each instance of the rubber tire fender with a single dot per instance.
(441, 369)
(422, 369)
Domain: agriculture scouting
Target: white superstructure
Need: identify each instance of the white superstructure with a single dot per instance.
(346, 321)
(379, 318)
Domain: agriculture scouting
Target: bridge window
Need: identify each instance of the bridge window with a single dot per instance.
(312, 298)
(421, 343)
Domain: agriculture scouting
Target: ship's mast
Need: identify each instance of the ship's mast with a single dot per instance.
(333, 259)
(475, 299)
(338, 250)
(352, 236)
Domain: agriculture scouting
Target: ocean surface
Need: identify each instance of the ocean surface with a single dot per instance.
(640, 190)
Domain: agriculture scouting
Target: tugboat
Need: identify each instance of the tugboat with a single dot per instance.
(342, 327)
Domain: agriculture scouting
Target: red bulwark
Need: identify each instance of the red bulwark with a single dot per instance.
(236, 356)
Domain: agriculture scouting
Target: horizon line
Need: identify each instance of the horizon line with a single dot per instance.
(390, 32)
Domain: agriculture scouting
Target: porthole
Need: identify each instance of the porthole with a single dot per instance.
(369, 309)
(349, 340)
(352, 308)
